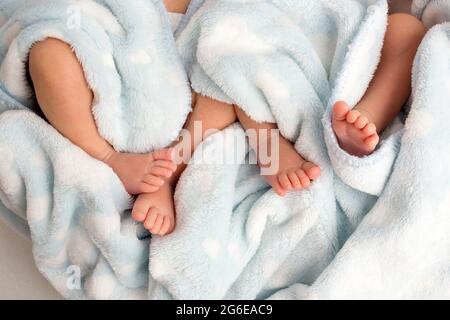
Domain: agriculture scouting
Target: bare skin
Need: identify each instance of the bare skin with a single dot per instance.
(293, 172)
(156, 210)
(66, 101)
(358, 130)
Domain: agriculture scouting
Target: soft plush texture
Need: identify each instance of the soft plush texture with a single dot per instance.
(133, 75)
(73, 207)
(375, 227)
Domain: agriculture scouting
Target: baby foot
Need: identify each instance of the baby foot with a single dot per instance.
(294, 172)
(355, 132)
(156, 210)
(142, 173)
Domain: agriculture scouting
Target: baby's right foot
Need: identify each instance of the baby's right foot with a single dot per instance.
(142, 173)
(294, 172)
(156, 211)
(355, 132)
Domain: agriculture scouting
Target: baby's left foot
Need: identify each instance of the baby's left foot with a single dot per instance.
(156, 210)
(354, 131)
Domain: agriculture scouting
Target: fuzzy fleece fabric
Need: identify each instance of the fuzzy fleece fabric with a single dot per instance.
(375, 227)
(129, 59)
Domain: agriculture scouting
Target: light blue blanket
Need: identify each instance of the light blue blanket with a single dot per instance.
(368, 228)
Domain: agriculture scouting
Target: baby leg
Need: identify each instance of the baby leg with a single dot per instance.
(156, 210)
(66, 100)
(358, 130)
(178, 6)
(292, 171)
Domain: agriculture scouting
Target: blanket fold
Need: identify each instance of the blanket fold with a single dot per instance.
(74, 208)
(399, 250)
(132, 75)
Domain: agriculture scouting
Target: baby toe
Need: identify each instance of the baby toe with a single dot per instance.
(144, 187)
(165, 227)
(280, 191)
(140, 210)
(171, 226)
(372, 142)
(158, 224)
(284, 181)
(295, 180)
(161, 172)
(352, 116)
(153, 180)
(370, 129)
(304, 179)
(311, 170)
(165, 164)
(361, 122)
(164, 154)
(151, 218)
(340, 111)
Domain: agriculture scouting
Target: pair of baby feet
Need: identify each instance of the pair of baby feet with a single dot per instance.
(356, 134)
(149, 177)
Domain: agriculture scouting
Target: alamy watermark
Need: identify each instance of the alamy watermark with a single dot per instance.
(73, 281)
(74, 17)
(229, 148)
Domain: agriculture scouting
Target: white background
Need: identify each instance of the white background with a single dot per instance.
(19, 278)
